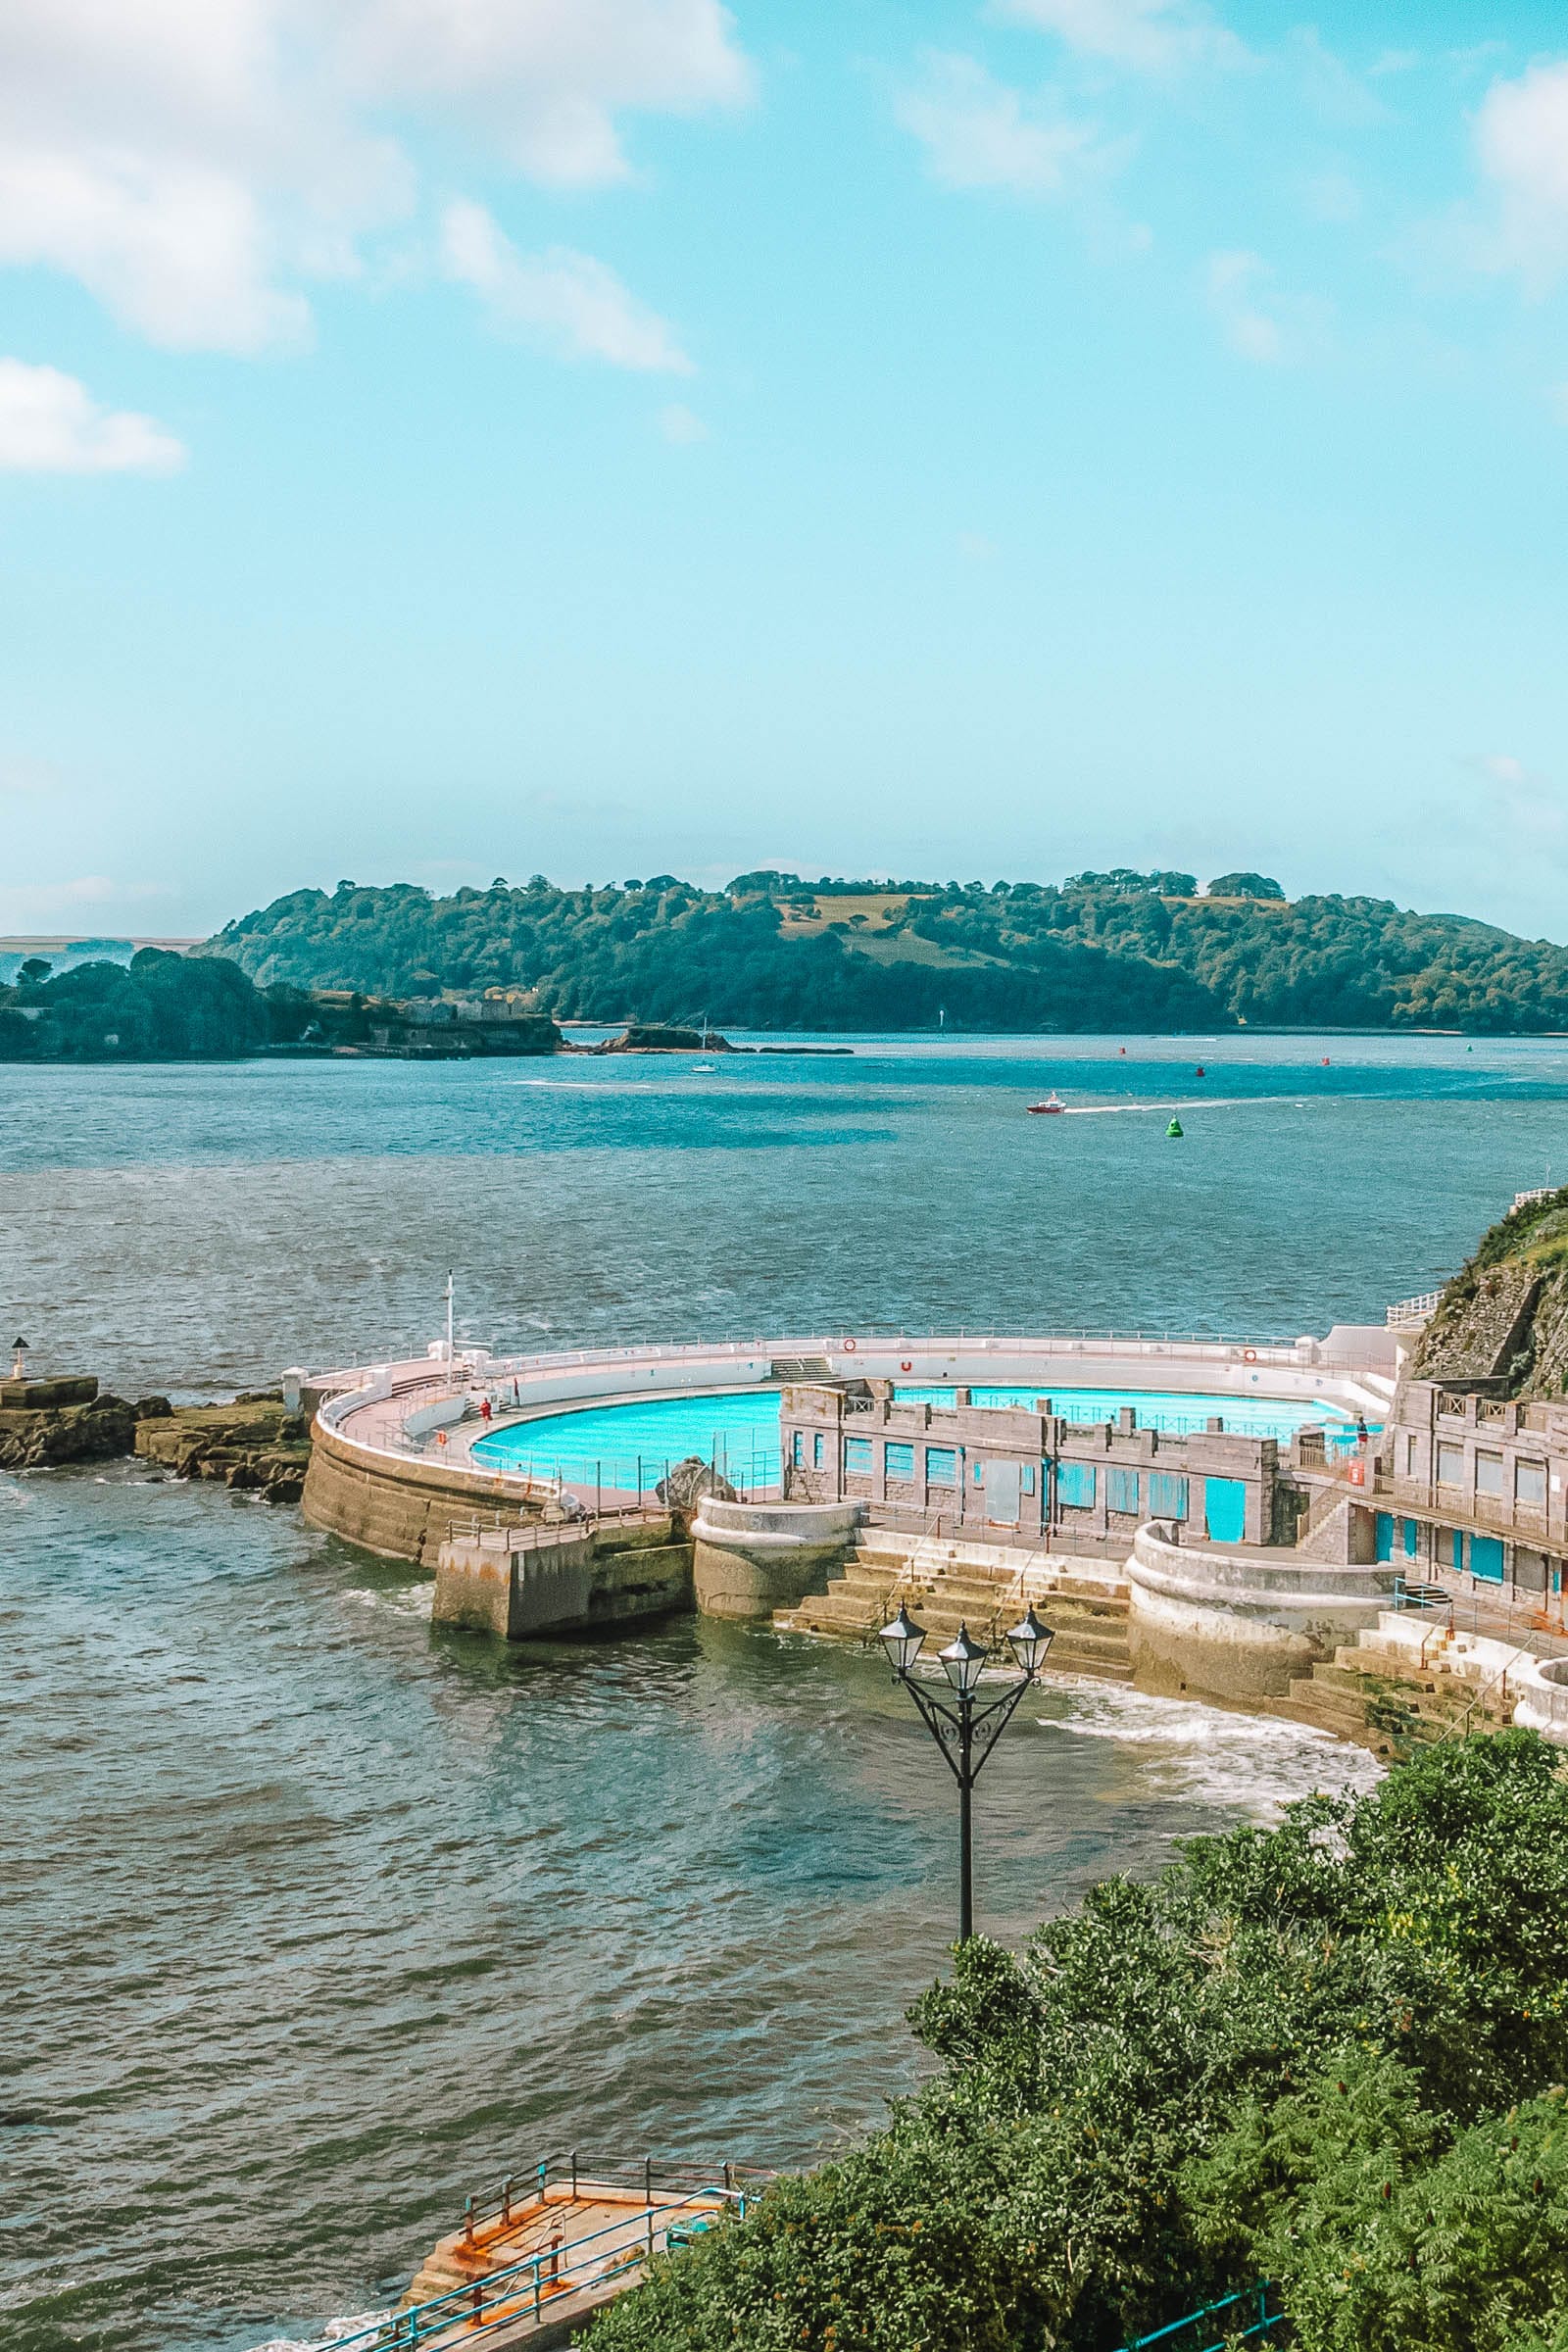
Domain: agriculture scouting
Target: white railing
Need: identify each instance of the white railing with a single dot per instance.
(1405, 1311)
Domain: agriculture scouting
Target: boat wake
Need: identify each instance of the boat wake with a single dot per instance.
(1106, 1110)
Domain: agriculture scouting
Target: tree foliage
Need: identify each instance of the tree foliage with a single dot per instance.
(1104, 950)
(1326, 2053)
(158, 1006)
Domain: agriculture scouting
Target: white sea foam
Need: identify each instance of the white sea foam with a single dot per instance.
(409, 1600)
(1190, 1753)
(334, 2332)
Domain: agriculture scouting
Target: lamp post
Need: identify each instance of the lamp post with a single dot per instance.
(964, 1731)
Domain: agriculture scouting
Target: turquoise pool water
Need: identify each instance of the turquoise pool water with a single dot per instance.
(738, 1427)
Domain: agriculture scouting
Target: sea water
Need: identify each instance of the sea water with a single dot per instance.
(316, 1918)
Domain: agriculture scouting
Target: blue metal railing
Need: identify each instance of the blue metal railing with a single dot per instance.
(1256, 2298)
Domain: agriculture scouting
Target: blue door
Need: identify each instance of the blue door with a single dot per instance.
(1485, 1558)
(1225, 1509)
(1413, 1533)
(1385, 1535)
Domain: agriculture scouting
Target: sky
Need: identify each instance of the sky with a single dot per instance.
(442, 439)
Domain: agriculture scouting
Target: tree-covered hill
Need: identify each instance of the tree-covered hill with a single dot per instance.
(1119, 949)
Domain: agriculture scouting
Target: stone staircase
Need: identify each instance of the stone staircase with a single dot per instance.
(984, 1586)
(1401, 1685)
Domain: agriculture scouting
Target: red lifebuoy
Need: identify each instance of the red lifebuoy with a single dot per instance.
(440, 1436)
(1248, 1356)
(905, 1366)
(850, 1346)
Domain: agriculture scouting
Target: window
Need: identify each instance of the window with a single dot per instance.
(1530, 1483)
(1409, 1457)
(1026, 1478)
(1450, 1463)
(856, 1457)
(1075, 1486)
(1168, 1494)
(1488, 1473)
(798, 1449)
(941, 1466)
(898, 1465)
(979, 1474)
(1123, 1495)
(818, 1450)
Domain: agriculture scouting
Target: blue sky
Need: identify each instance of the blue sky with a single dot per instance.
(448, 439)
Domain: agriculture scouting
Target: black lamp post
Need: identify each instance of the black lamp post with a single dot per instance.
(964, 1731)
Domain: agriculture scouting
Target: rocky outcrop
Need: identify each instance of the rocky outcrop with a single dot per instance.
(252, 1445)
(1504, 1315)
(654, 1036)
(43, 1437)
(684, 1486)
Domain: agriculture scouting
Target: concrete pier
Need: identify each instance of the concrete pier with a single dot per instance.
(1239, 1621)
(750, 1558)
(525, 1583)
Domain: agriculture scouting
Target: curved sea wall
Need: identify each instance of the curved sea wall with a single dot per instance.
(1542, 1703)
(401, 1508)
(750, 1558)
(1237, 1622)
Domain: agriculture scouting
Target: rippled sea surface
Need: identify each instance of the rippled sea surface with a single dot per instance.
(314, 1919)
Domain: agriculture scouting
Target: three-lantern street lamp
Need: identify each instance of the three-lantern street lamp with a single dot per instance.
(962, 1730)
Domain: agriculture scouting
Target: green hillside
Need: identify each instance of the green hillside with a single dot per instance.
(1122, 950)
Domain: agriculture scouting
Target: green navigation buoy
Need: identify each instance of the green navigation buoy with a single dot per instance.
(1175, 1128)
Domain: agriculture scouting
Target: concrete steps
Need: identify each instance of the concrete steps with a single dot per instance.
(1380, 1695)
(985, 1587)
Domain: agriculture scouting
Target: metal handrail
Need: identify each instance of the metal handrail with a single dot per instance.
(1263, 2290)
(519, 2293)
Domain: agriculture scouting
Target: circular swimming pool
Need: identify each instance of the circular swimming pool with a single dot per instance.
(632, 1444)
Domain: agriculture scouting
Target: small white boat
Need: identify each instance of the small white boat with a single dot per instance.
(704, 1069)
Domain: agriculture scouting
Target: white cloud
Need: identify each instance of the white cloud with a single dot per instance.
(193, 163)
(28, 905)
(1152, 36)
(1522, 147)
(50, 424)
(566, 300)
(978, 133)
(19, 773)
(1260, 324)
(681, 427)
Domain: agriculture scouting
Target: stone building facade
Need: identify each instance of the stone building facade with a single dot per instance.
(1029, 1474)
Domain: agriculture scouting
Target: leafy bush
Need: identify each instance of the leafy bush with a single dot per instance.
(1326, 2053)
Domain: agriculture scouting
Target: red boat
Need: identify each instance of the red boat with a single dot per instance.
(1051, 1103)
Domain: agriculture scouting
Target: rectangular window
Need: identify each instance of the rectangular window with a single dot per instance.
(979, 1474)
(856, 1457)
(1489, 1474)
(1167, 1496)
(1026, 1478)
(1450, 1463)
(941, 1466)
(1409, 1457)
(1123, 1494)
(898, 1465)
(1530, 1483)
(798, 1449)
(1075, 1486)
(818, 1450)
